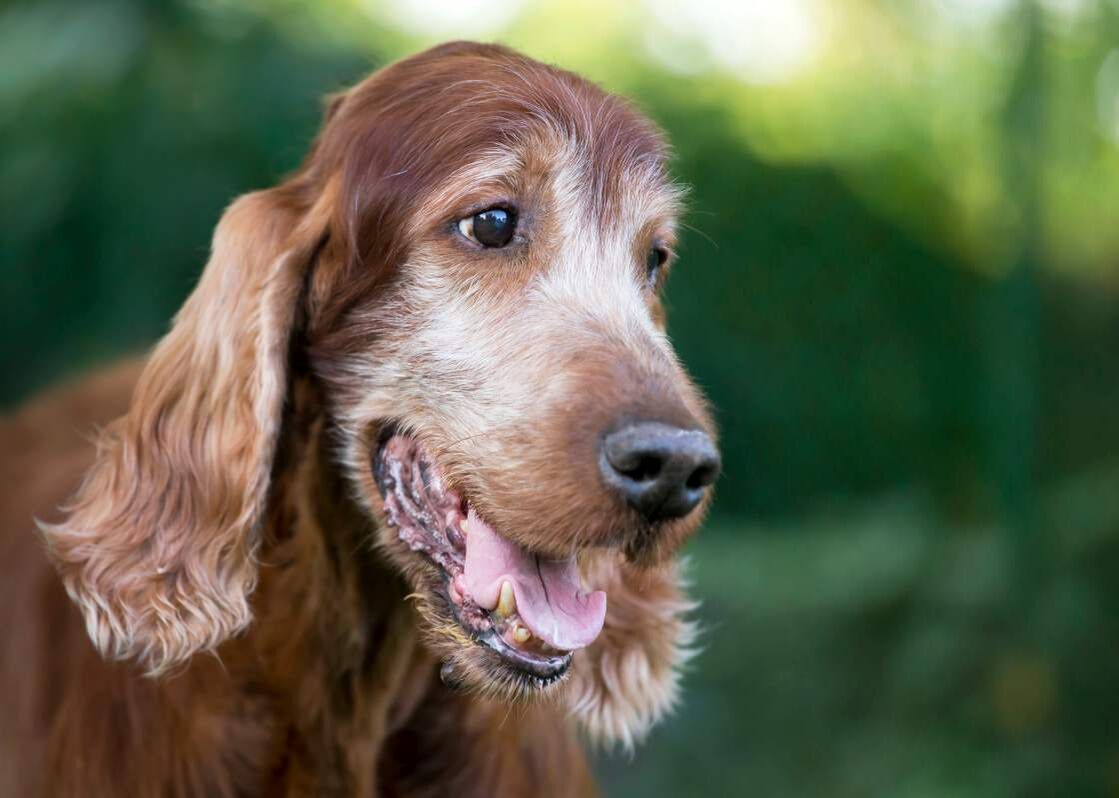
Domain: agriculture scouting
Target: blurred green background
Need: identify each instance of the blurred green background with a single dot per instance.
(900, 286)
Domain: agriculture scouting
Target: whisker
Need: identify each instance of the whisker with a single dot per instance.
(699, 232)
(468, 438)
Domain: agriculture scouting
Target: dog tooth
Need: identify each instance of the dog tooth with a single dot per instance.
(521, 635)
(507, 601)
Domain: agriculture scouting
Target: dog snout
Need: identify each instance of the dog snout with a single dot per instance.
(662, 471)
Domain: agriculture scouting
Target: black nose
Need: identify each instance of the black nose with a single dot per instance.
(662, 471)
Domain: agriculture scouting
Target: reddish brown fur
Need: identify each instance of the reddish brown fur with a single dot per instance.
(220, 538)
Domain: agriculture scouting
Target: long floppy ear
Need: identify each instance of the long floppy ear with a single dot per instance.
(629, 678)
(159, 544)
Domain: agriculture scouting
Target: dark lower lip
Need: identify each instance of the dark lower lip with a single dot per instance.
(546, 668)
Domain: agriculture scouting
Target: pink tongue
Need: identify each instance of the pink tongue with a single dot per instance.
(550, 599)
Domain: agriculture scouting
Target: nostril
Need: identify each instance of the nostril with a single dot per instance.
(648, 468)
(702, 477)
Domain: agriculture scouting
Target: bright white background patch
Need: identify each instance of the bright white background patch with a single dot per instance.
(759, 41)
(455, 18)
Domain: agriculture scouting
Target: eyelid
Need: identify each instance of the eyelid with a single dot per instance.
(468, 212)
(474, 208)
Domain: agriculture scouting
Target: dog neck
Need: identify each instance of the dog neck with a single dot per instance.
(333, 631)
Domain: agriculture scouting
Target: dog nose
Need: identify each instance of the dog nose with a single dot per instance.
(662, 471)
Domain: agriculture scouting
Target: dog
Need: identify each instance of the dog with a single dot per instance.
(395, 506)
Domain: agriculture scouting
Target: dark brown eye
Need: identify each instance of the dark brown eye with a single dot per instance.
(492, 228)
(653, 262)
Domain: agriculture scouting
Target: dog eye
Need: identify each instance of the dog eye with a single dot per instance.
(492, 228)
(653, 262)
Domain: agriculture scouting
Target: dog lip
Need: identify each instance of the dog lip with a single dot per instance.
(541, 666)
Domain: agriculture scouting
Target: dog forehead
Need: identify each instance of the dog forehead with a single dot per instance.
(620, 194)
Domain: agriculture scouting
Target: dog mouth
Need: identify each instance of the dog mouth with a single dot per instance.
(529, 610)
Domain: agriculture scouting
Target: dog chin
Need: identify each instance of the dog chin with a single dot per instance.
(506, 620)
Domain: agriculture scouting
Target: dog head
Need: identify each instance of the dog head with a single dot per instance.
(471, 254)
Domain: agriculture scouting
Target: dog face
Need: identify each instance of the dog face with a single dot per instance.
(472, 254)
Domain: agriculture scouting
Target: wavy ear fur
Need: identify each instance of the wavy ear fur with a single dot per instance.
(159, 543)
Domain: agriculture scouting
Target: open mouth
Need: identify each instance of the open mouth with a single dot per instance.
(531, 611)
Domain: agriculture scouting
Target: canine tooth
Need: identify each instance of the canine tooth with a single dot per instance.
(507, 601)
(521, 635)
(462, 524)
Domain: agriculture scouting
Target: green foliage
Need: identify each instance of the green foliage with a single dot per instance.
(123, 140)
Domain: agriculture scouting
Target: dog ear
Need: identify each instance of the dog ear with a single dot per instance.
(158, 547)
(629, 678)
